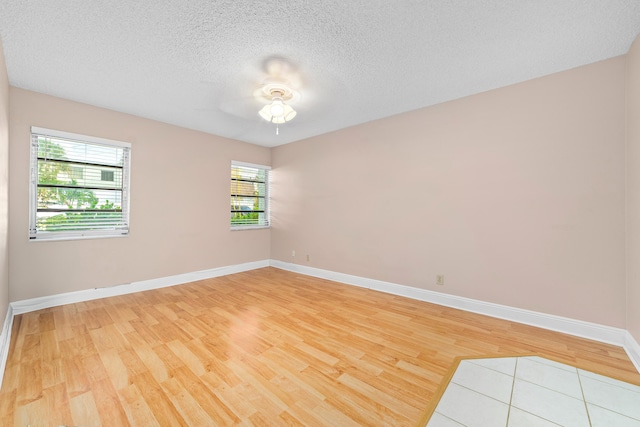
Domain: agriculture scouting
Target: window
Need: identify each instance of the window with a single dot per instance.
(79, 186)
(107, 176)
(249, 195)
(76, 172)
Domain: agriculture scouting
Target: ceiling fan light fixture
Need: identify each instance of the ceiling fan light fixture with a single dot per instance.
(277, 108)
(289, 113)
(277, 111)
(278, 120)
(265, 112)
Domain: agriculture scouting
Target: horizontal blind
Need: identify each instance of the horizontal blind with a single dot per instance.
(249, 195)
(81, 187)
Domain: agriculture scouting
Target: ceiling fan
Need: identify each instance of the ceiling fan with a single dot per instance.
(277, 110)
(278, 91)
(273, 95)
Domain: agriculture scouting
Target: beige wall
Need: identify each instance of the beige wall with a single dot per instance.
(179, 203)
(516, 195)
(633, 190)
(4, 188)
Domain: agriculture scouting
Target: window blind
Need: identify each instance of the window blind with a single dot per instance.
(249, 195)
(79, 185)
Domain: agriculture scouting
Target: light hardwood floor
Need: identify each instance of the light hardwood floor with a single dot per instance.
(265, 347)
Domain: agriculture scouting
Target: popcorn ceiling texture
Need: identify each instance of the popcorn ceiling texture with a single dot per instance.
(196, 63)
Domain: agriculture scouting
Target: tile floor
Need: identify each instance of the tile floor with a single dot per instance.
(536, 392)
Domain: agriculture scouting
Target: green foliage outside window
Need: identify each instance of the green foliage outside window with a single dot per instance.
(52, 173)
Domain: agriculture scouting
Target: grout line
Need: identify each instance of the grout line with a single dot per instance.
(615, 412)
(529, 412)
(473, 361)
(449, 418)
(608, 384)
(480, 393)
(513, 386)
(555, 391)
(584, 399)
(541, 417)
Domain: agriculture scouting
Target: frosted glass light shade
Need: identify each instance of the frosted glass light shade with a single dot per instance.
(277, 108)
(277, 112)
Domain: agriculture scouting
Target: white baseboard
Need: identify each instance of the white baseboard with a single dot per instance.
(40, 303)
(33, 304)
(606, 334)
(632, 348)
(5, 341)
(593, 331)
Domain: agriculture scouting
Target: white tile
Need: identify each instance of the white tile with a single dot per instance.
(549, 376)
(470, 408)
(609, 380)
(614, 398)
(550, 405)
(519, 418)
(546, 394)
(484, 380)
(549, 362)
(601, 417)
(506, 365)
(439, 420)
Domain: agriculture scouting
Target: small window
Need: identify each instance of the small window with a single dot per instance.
(249, 195)
(79, 186)
(106, 175)
(76, 172)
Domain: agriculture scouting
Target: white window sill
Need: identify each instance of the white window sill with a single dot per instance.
(250, 227)
(63, 238)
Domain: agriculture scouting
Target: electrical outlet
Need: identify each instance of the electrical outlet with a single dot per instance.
(307, 257)
(440, 280)
(293, 253)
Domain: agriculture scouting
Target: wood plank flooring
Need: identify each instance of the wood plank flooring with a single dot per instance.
(261, 348)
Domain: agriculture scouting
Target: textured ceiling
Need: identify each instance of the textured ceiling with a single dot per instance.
(197, 63)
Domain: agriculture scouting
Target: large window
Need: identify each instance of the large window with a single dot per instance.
(79, 186)
(249, 195)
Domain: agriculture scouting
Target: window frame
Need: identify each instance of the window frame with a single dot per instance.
(266, 197)
(35, 234)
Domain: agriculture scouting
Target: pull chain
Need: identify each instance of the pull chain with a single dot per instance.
(277, 130)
